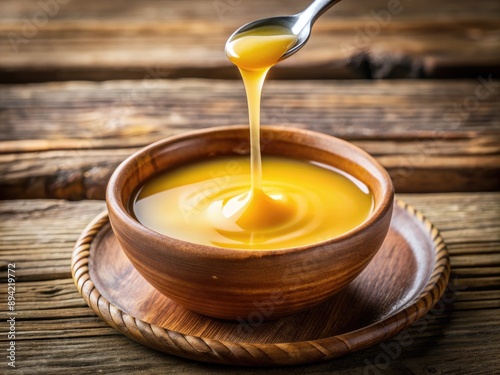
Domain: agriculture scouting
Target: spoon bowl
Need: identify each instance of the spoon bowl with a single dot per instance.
(300, 24)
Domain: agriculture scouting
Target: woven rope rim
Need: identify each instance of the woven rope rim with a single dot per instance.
(256, 354)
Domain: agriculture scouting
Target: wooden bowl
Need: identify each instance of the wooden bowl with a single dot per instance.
(248, 284)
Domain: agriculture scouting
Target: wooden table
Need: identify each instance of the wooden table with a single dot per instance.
(432, 118)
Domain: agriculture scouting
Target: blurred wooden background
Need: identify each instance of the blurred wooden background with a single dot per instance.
(117, 39)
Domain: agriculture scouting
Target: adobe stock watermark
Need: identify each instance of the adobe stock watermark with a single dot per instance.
(11, 314)
(123, 108)
(225, 8)
(47, 9)
(461, 111)
(453, 117)
(265, 307)
(116, 117)
(392, 350)
(219, 180)
(372, 28)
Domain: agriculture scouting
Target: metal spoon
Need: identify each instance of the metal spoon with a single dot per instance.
(300, 24)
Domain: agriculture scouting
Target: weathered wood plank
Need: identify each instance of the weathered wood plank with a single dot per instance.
(57, 333)
(64, 140)
(84, 174)
(125, 356)
(138, 112)
(56, 299)
(40, 234)
(362, 39)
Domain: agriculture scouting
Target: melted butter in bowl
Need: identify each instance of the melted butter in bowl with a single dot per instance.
(211, 203)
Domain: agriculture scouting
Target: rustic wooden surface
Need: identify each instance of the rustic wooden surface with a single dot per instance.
(408, 275)
(60, 141)
(58, 333)
(63, 140)
(115, 39)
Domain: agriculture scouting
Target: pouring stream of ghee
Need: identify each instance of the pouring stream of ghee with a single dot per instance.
(254, 53)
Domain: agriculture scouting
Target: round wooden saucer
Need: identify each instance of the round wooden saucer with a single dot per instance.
(405, 279)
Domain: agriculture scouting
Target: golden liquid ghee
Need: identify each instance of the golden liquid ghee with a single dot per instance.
(225, 202)
(261, 48)
(254, 53)
(300, 203)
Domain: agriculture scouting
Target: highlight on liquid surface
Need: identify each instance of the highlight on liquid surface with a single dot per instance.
(299, 203)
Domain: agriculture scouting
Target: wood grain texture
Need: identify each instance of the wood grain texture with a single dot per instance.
(89, 40)
(63, 140)
(55, 324)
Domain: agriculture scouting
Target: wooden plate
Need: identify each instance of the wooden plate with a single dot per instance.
(405, 279)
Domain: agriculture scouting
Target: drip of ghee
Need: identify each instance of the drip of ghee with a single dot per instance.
(300, 203)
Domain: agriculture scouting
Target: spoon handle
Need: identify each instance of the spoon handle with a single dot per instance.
(312, 13)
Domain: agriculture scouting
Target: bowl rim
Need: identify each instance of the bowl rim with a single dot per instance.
(117, 207)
